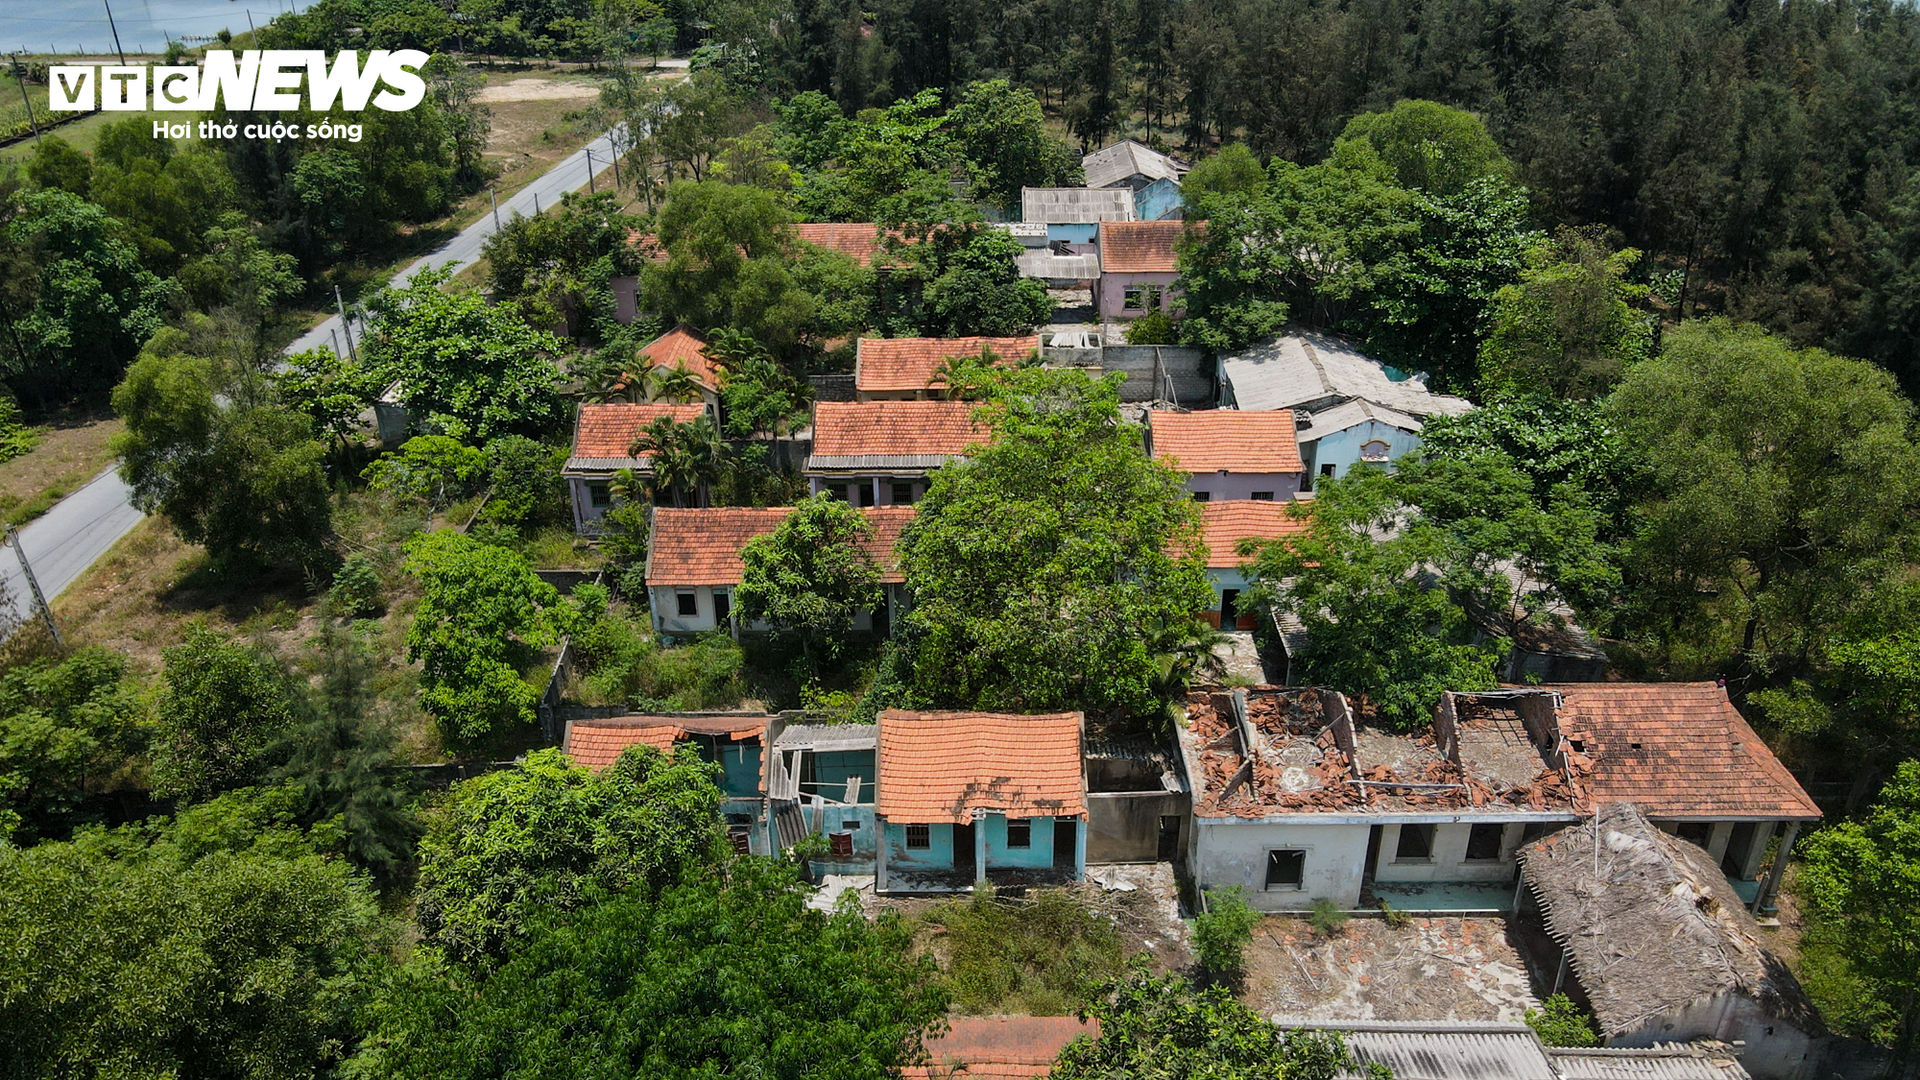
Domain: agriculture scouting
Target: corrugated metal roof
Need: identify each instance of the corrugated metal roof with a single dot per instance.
(1041, 263)
(1076, 206)
(1661, 1063)
(1352, 414)
(606, 464)
(1299, 369)
(828, 738)
(1443, 1051)
(1125, 159)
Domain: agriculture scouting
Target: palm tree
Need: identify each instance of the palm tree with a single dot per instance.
(628, 486)
(671, 384)
(1182, 649)
(686, 457)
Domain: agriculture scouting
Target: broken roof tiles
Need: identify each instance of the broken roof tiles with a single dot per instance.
(701, 546)
(599, 743)
(893, 364)
(1226, 440)
(946, 766)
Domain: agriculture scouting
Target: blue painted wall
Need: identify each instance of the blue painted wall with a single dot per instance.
(741, 762)
(1074, 233)
(938, 855)
(865, 838)
(1156, 200)
(1000, 855)
(1341, 449)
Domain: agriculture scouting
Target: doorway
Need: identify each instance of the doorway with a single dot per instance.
(1169, 846)
(1065, 840)
(1229, 608)
(723, 611)
(1373, 854)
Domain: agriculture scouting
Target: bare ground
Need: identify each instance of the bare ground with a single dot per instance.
(72, 450)
(1431, 969)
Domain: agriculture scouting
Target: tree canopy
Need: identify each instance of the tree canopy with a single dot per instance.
(810, 577)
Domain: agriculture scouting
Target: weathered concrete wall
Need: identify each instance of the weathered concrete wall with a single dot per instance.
(832, 387)
(938, 855)
(1235, 853)
(1227, 486)
(1191, 376)
(1449, 859)
(1341, 449)
(1039, 853)
(1774, 1049)
(1124, 827)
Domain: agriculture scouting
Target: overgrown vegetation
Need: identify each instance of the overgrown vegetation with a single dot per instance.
(1043, 954)
(1222, 931)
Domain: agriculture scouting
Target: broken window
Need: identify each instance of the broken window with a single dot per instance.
(1019, 833)
(1483, 843)
(1286, 869)
(1262, 496)
(1202, 496)
(919, 837)
(1142, 298)
(599, 494)
(1326, 470)
(689, 604)
(1416, 844)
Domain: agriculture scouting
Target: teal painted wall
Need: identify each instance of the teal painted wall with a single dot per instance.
(999, 854)
(938, 854)
(739, 762)
(836, 818)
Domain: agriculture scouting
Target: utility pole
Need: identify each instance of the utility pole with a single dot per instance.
(250, 29)
(336, 341)
(589, 170)
(116, 33)
(352, 353)
(496, 209)
(20, 73)
(39, 599)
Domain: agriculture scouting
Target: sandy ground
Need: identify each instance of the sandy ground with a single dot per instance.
(1431, 969)
(538, 90)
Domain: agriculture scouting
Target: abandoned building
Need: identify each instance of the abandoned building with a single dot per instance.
(1224, 527)
(694, 565)
(733, 741)
(820, 781)
(881, 453)
(1073, 215)
(1229, 454)
(1485, 1050)
(1295, 800)
(999, 1047)
(1656, 942)
(1137, 801)
(1350, 409)
(603, 436)
(970, 796)
(1139, 269)
(909, 369)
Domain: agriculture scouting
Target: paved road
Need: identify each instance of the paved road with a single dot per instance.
(64, 541)
(464, 250)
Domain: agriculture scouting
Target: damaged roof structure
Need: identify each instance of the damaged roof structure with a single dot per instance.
(1661, 946)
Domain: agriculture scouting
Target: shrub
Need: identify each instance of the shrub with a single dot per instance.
(1153, 328)
(356, 589)
(1223, 931)
(1559, 1022)
(1395, 918)
(1326, 918)
(1043, 956)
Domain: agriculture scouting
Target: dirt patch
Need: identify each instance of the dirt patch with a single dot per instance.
(1430, 969)
(72, 450)
(537, 90)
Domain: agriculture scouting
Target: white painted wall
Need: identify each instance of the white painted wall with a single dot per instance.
(1235, 853)
(1774, 1050)
(1449, 861)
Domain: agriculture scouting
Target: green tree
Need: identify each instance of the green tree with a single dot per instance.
(1570, 326)
(1229, 171)
(222, 706)
(1155, 1027)
(687, 458)
(1000, 131)
(1860, 880)
(756, 394)
(1377, 627)
(1780, 488)
(1034, 564)
(1435, 148)
(547, 835)
(732, 977)
(1559, 1022)
(810, 577)
(216, 943)
(558, 266)
(67, 725)
(524, 486)
(329, 389)
(483, 615)
(972, 285)
(58, 165)
(1551, 442)
(473, 369)
(243, 479)
(1222, 932)
(433, 468)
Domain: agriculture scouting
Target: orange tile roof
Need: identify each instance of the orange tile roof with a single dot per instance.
(1139, 247)
(599, 743)
(893, 428)
(649, 246)
(702, 546)
(1224, 524)
(999, 1047)
(912, 363)
(682, 346)
(1230, 439)
(942, 766)
(858, 239)
(1678, 750)
(608, 430)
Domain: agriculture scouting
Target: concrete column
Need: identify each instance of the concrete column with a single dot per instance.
(1080, 850)
(1717, 839)
(879, 853)
(1772, 885)
(876, 490)
(980, 848)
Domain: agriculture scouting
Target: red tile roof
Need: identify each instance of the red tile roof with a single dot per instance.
(1226, 523)
(702, 546)
(999, 1047)
(599, 743)
(1139, 247)
(1678, 750)
(608, 430)
(858, 239)
(649, 246)
(893, 428)
(941, 766)
(1230, 439)
(911, 363)
(682, 346)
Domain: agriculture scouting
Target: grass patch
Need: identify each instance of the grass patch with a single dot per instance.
(1040, 955)
(72, 449)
